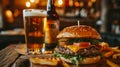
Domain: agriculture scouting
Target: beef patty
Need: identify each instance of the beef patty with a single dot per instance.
(86, 52)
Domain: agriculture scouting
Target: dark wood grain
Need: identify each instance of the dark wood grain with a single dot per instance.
(8, 56)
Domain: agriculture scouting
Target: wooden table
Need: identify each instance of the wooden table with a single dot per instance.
(14, 56)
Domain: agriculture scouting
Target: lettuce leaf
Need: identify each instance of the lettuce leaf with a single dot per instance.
(73, 59)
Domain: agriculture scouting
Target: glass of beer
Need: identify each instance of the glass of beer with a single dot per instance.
(34, 34)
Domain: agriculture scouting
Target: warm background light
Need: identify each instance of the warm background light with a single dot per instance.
(9, 16)
(81, 4)
(60, 2)
(70, 2)
(32, 1)
(36, 1)
(28, 4)
(16, 12)
(93, 1)
(77, 4)
(8, 13)
(89, 4)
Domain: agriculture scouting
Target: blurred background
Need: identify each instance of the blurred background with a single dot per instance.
(103, 15)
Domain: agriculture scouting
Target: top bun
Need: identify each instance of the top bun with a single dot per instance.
(81, 31)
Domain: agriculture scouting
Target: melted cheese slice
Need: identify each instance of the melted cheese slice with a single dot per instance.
(74, 48)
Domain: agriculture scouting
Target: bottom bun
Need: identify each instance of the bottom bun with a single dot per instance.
(87, 60)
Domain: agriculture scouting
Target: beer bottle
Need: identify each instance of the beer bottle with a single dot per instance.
(51, 27)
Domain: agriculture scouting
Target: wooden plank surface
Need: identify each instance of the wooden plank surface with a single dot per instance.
(8, 56)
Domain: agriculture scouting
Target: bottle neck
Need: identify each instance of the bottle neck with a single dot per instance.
(50, 5)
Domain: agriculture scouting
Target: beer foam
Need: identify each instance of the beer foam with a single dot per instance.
(34, 12)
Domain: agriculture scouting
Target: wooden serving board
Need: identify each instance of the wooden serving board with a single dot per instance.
(101, 63)
(24, 60)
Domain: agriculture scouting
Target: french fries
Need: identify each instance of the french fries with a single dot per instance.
(108, 54)
(109, 51)
(111, 64)
(114, 52)
(117, 50)
(115, 55)
(104, 46)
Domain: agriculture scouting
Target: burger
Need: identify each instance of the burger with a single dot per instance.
(78, 45)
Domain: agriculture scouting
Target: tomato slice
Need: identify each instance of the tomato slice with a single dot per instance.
(82, 44)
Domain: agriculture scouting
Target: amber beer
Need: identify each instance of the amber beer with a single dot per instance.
(51, 26)
(33, 24)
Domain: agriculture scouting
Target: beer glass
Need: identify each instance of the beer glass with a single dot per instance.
(33, 24)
